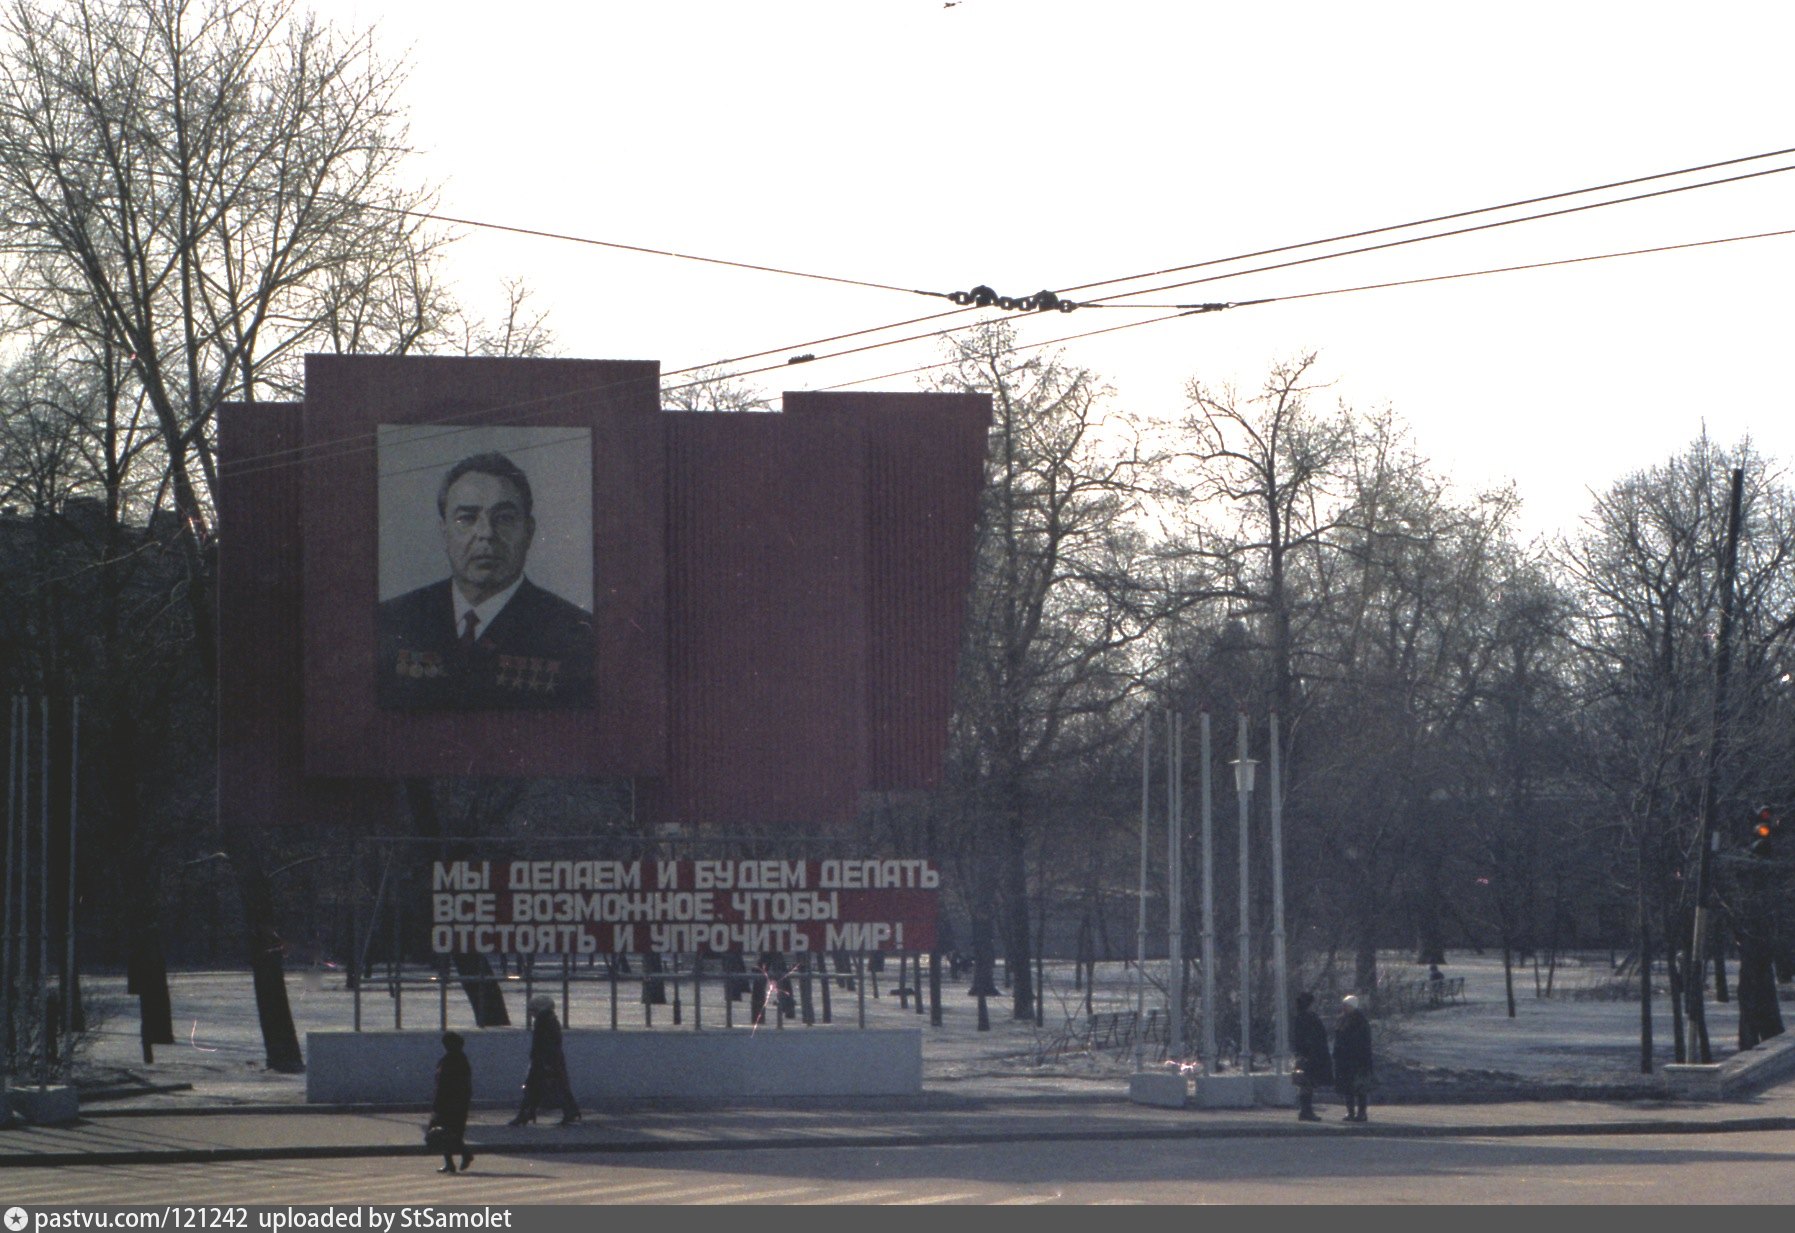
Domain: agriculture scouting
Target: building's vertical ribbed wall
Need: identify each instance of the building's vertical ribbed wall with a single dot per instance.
(766, 611)
(924, 460)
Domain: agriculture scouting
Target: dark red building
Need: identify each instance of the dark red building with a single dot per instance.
(776, 599)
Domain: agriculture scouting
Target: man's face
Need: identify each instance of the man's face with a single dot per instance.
(487, 534)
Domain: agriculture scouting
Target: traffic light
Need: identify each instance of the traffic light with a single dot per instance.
(1765, 827)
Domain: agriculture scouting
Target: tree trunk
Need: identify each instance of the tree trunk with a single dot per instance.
(1016, 925)
(1508, 973)
(1718, 951)
(1760, 1017)
(147, 969)
(267, 955)
(484, 994)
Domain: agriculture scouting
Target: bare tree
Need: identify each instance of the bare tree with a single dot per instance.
(1058, 604)
(1647, 568)
(712, 389)
(216, 186)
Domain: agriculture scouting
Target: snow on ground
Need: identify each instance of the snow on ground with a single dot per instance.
(1581, 1036)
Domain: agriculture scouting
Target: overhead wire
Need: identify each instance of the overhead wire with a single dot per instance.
(1440, 235)
(1192, 310)
(360, 442)
(1445, 218)
(652, 252)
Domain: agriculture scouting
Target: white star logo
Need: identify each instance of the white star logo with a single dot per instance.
(16, 1219)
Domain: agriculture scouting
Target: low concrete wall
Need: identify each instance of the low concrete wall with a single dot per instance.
(1741, 1075)
(1230, 1091)
(716, 1064)
(1167, 1088)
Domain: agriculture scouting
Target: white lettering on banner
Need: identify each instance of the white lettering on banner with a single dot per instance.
(447, 908)
(750, 875)
(514, 939)
(781, 905)
(575, 875)
(648, 906)
(861, 935)
(879, 875)
(682, 939)
(688, 906)
(462, 875)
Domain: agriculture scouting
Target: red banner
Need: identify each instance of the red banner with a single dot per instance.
(588, 907)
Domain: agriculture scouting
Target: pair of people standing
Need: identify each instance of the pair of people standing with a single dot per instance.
(1348, 1066)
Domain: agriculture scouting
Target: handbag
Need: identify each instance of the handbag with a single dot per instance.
(437, 1138)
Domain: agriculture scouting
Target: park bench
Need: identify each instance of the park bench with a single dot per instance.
(1442, 992)
(1424, 994)
(1111, 1029)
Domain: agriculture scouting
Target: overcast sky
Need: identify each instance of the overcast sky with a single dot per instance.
(1028, 144)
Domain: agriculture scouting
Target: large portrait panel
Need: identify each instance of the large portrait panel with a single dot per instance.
(485, 567)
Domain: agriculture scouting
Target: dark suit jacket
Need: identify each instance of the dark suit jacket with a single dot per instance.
(537, 653)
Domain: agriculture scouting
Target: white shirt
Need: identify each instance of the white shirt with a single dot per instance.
(487, 610)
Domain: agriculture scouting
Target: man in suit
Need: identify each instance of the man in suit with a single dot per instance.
(486, 636)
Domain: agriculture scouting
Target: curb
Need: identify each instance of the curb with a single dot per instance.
(942, 1138)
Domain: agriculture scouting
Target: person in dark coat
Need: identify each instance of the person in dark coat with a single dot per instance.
(1309, 1048)
(448, 1110)
(1352, 1058)
(546, 1082)
(486, 636)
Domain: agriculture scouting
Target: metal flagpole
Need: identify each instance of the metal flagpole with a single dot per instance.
(43, 903)
(8, 988)
(1279, 965)
(1246, 971)
(1140, 937)
(1175, 893)
(1208, 906)
(68, 968)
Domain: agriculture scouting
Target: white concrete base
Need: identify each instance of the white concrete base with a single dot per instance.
(720, 1064)
(1275, 1091)
(1740, 1075)
(1167, 1088)
(1225, 1091)
(48, 1106)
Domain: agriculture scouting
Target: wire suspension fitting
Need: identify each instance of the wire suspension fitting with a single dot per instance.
(1039, 302)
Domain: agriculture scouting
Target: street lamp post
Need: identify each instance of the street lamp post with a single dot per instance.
(1243, 789)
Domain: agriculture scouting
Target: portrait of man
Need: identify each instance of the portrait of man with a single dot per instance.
(486, 636)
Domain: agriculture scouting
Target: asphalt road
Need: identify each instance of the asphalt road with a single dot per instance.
(1714, 1168)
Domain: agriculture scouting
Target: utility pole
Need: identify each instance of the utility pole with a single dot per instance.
(1704, 892)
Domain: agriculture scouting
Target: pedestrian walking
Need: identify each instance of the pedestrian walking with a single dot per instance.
(1309, 1047)
(1353, 1072)
(546, 1082)
(447, 1132)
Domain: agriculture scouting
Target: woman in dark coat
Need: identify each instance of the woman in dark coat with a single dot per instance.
(1309, 1049)
(1352, 1058)
(547, 1080)
(448, 1111)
